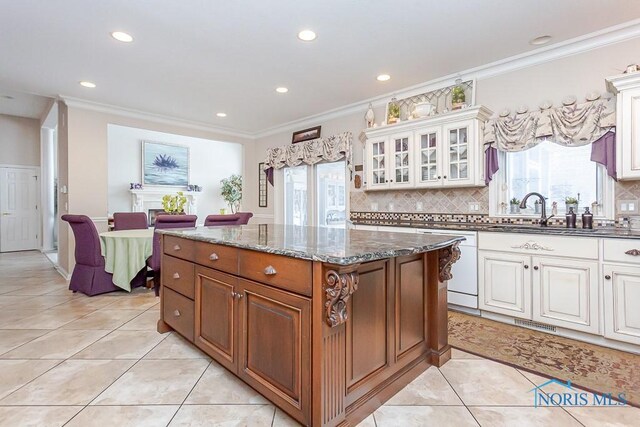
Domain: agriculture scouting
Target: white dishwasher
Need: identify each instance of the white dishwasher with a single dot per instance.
(462, 289)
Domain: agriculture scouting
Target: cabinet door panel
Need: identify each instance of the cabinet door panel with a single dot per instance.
(411, 331)
(428, 162)
(367, 329)
(377, 153)
(621, 303)
(400, 167)
(505, 283)
(215, 325)
(459, 153)
(277, 337)
(566, 293)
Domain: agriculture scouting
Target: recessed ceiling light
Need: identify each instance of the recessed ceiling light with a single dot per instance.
(282, 90)
(87, 84)
(306, 35)
(540, 40)
(383, 77)
(122, 36)
(221, 114)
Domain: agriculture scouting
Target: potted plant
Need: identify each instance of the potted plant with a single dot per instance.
(232, 191)
(515, 206)
(393, 112)
(458, 97)
(174, 205)
(571, 202)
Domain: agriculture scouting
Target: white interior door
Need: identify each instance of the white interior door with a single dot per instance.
(19, 223)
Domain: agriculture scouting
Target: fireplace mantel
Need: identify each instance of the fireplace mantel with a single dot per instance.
(149, 198)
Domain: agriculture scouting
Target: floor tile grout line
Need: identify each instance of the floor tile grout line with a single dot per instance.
(190, 391)
(459, 397)
(60, 361)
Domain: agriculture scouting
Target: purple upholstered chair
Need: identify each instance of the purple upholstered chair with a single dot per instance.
(129, 221)
(164, 222)
(88, 275)
(239, 218)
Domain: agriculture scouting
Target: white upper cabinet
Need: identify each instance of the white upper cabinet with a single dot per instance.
(439, 151)
(627, 88)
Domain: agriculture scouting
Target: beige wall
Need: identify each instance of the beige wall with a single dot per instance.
(574, 75)
(19, 141)
(87, 167)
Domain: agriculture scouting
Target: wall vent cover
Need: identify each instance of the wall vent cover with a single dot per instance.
(534, 325)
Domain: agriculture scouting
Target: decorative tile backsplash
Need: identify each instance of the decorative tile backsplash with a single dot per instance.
(453, 200)
(448, 201)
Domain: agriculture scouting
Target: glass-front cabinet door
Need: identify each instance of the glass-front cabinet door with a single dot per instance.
(377, 163)
(458, 168)
(401, 154)
(428, 163)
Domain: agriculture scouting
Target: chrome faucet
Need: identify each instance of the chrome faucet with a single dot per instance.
(543, 219)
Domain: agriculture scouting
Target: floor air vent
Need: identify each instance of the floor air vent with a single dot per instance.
(534, 325)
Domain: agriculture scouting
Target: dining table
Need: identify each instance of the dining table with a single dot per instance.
(125, 254)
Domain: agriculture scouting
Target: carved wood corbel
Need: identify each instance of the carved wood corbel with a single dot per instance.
(447, 257)
(338, 289)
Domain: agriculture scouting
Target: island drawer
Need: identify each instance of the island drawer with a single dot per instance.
(179, 248)
(178, 275)
(220, 257)
(537, 244)
(622, 250)
(178, 312)
(280, 271)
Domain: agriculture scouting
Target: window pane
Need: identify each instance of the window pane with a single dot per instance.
(331, 194)
(554, 171)
(295, 195)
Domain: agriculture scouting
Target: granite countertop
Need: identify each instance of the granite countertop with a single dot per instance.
(331, 245)
(609, 232)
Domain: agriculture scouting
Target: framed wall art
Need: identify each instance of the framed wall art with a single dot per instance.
(165, 164)
(306, 134)
(262, 186)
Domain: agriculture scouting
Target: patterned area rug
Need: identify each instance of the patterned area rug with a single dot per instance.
(588, 366)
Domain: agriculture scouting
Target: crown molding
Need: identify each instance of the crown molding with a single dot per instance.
(605, 37)
(156, 118)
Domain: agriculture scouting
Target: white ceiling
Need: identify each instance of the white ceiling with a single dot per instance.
(193, 58)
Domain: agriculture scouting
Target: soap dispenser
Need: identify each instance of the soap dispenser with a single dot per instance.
(571, 218)
(587, 219)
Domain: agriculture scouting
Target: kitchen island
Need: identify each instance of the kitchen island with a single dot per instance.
(326, 323)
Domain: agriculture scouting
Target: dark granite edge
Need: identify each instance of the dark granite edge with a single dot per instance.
(330, 259)
(602, 232)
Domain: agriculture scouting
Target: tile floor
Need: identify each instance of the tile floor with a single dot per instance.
(66, 359)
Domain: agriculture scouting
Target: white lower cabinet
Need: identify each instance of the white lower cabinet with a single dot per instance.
(554, 290)
(505, 283)
(622, 303)
(565, 293)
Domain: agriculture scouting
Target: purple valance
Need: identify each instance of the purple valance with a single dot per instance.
(603, 151)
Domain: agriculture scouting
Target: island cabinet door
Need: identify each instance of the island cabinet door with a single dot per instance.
(410, 307)
(275, 356)
(215, 317)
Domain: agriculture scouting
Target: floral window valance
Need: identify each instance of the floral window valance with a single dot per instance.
(328, 149)
(572, 124)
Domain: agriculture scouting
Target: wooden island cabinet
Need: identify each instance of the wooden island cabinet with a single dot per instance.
(327, 324)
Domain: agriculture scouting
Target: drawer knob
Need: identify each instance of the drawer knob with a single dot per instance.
(269, 270)
(176, 276)
(176, 247)
(607, 277)
(535, 267)
(633, 252)
(239, 295)
(214, 256)
(526, 266)
(176, 313)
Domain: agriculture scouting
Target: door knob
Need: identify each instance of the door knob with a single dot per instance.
(176, 276)
(214, 256)
(176, 313)
(526, 267)
(607, 277)
(535, 267)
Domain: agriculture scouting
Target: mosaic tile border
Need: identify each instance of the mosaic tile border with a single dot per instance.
(404, 217)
